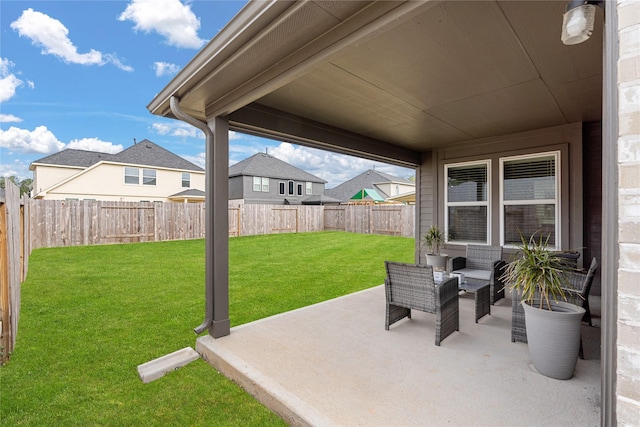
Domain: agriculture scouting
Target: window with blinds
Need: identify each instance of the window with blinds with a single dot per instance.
(131, 175)
(467, 202)
(149, 177)
(260, 184)
(529, 187)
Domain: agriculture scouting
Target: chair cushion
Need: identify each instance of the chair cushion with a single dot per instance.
(475, 274)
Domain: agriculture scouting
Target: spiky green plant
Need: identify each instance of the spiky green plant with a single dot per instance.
(537, 272)
(434, 239)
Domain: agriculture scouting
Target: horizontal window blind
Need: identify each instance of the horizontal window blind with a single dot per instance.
(530, 179)
(467, 183)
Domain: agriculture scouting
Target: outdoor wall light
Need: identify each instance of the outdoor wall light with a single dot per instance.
(578, 20)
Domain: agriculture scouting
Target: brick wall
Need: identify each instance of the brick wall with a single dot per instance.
(628, 324)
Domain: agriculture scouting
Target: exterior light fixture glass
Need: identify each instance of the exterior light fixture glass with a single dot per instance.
(578, 21)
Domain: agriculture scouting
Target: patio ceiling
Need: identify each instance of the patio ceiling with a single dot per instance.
(392, 79)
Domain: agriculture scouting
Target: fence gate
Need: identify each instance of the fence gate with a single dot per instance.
(335, 218)
(387, 220)
(128, 223)
(284, 220)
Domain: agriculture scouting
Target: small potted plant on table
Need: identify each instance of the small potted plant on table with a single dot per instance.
(537, 276)
(434, 239)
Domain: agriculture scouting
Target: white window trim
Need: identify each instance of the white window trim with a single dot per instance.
(557, 200)
(155, 177)
(257, 184)
(486, 203)
(124, 176)
(282, 185)
(308, 188)
(188, 180)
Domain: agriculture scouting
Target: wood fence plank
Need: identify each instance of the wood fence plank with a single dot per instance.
(54, 223)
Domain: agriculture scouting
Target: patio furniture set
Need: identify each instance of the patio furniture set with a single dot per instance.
(413, 287)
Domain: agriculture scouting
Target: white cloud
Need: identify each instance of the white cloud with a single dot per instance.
(9, 118)
(165, 69)
(161, 128)
(169, 18)
(94, 144)
(8, 81)
(52, 36)
(332, 167)
(112, 58)
(179, 129)
(233, 135)
(18, 168)
(199, 159)
(40, 140)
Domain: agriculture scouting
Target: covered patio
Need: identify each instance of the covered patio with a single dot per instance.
(333, 364)
(483, 90)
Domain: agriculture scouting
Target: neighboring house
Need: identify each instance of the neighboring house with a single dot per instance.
(373, 186)
(478, 94)
(143, 172)
(264, 179)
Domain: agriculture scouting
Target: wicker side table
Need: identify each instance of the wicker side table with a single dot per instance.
(482, 296)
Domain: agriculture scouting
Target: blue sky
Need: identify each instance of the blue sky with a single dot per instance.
(79, 74)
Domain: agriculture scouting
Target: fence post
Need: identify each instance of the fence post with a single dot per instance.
(10, 261)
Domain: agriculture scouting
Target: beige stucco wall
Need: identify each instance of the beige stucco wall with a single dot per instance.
(46, 176)
(394, 189)
(106, 182)
(628, 324)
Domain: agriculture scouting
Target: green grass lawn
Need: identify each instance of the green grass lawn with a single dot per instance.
(90, 315)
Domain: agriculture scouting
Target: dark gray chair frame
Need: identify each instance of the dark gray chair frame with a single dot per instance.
(412, 287)
(488, 258)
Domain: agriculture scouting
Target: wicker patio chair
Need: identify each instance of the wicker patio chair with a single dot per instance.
(411, 287)
(577, 293)
(482, 264)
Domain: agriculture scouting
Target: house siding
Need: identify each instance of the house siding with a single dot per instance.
(106, 182)
(241, 189)
(628, 299)
(46, 176)
(566, 139)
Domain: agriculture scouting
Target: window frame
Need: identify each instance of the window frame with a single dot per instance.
(187, 180)
(260, 184)
(487, 203)
(557, 154)
(292, 188)
(308, 188)
(282, 188)
(153, 180)
(130, 175)
(257, 184)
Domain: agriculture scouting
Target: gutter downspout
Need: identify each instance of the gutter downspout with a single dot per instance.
(181, 115)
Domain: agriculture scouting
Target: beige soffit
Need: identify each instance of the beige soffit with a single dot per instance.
(416, 76)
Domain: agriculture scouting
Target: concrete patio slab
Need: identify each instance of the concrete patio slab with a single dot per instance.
(333, 364)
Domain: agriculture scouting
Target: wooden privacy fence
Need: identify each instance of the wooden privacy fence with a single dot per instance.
(14, 261)
(54, 223)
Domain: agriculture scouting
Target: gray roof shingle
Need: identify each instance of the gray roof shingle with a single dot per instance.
(145, 153)
(263, 164)
(366, 179)
(78, 158)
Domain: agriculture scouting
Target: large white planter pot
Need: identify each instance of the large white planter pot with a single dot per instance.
(438, 262)
(553, 337)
